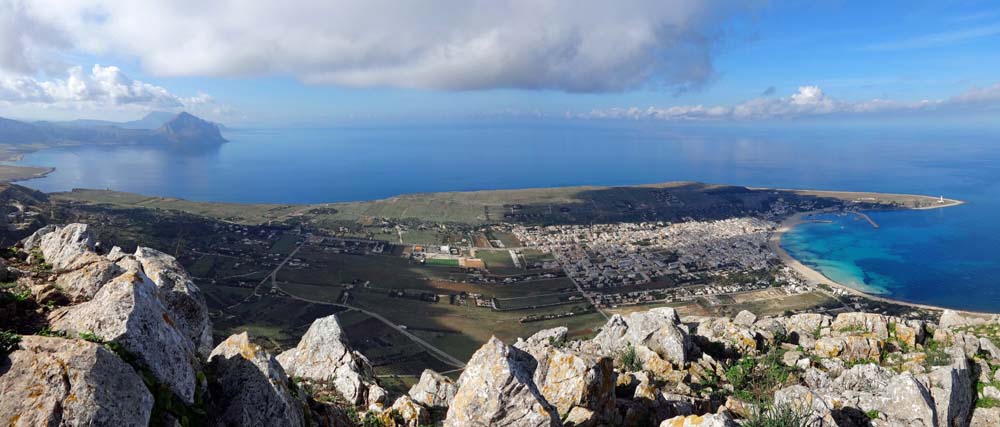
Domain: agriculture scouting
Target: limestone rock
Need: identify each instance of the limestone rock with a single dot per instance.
(433, 390)
(90, 272)
(35, 239)
(804, 328)
(497, 389)
(870, 323)
(181, 296)
(985, 417)
(745, 318)
(952, 390)
(413, 414)
(709, 420)
(249, 386)
(323, 355)
(658, 329)
(128, 311)
(909, 401)
(55, 381)
(569, 379)
(63, 245)
(910, 332)
(850, 348)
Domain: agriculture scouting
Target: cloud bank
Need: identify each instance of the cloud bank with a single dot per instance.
(567, 45)
(808, 101)
(105, 87)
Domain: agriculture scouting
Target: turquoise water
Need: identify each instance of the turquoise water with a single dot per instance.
(948, 257)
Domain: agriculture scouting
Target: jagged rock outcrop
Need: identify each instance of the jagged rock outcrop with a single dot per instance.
(655, 332)
(570, 380)
(985, 417)
(323, 355)
(181, 296)
(56, 381)
(412, 412)
(433, 390)
(497, 389)
(63, 245)
(952, 389)
(128, 311)
(250, 386)
(85, 276)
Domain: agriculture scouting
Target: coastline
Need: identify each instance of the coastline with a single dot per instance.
(816, 277)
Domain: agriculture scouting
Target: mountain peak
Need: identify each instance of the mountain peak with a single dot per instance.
(186, 127)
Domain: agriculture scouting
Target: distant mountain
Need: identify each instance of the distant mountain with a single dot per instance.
(177, 128)
(185, 127)
(153, 120)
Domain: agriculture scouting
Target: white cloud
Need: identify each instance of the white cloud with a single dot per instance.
(102, 87)
(808, 101)
(571, 45)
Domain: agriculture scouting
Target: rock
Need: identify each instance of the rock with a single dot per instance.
(952, 319)
(745, 318)
(657, 329)
(580, 417)
(804, 328)
(413, 414)
(709, 420)
(128, 311)
(35, 239)
(377, 396)
(55, 381)
(433, 390)
(181, 296)
(497, 389)
(991, 392)
(866, 323)
(249, 387)
(46, 293)
(866, 377)
(851, 348)
(985, 417)
(909, 401)
(790, 357)
(733, 336)
(88, 274)
(910, 333)
(952, 390)
(64, 245)
(987, 345)
(323, 355)
(568, 379)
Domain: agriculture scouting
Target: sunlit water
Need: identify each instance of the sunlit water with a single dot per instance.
(947, 257)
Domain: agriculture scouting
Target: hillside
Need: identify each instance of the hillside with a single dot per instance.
(181, 127)
(102, 337)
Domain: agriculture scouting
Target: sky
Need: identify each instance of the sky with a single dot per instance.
(310, 63)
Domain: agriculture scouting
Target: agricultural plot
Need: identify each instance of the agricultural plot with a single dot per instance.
(499, 262)
(539, 301)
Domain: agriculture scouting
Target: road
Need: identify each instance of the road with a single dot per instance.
(272, 276)
(436, 352)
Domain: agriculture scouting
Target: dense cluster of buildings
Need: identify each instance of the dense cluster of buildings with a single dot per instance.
(611, 255)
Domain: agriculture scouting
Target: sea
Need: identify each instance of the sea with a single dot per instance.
(947, 257)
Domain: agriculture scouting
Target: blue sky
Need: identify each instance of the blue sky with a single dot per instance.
(676, 60)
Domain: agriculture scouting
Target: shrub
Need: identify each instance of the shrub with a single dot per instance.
(8, 342)
(754, 380)
(778, 416)
(628, 359)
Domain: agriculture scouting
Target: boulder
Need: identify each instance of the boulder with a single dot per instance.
(721, 419)
(850, 348)
(745, 318)
(805, 328)
(985, 417)
(952, 389)
(128, 311)
(248, 386)
(56, 381)
(497, 389)
(32, 242)
(412, 413)
(433, 390)
(910, 333)
(658, 329)
(569, 379)
(909, 402)
(323, 354)
(873, 324)
(63, 245)
(181, 296)
(88, 274)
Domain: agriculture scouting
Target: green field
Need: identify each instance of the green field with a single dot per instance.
(498, 261)
(442, 262)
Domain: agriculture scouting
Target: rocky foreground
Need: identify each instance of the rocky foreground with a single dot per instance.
(124, 339)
